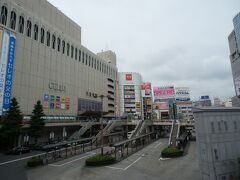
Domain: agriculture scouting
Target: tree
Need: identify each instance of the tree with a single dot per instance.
(11, 125)
(37, 122)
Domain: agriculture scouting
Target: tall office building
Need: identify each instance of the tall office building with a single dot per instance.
(42, 58)
(130, 100)
(234, 46)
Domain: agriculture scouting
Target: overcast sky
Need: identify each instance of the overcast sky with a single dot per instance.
(170, 42)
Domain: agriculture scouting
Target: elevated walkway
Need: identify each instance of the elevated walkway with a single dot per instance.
(77, 135)
(174, 134)
(108, 128)
(141, 125)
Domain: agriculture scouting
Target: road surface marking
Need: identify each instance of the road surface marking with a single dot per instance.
(111, 167)
(163, 159)
(59, 165)
(124, 169)
(20, 159)
(133, 163)
(157, 145)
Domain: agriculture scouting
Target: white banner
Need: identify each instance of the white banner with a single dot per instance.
(3, 66)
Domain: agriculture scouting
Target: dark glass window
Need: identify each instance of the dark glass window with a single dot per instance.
(36, 32)
(3, 18)
(86, 59)
(13, 20)
(79, 55)
(29, 28)
(63, 47)
(42, 35)
(72, 50)
(83, 57)
(53, 41)
(58, 44)
(68, 49)
(21, 25)
(76, 53)
(48, 38)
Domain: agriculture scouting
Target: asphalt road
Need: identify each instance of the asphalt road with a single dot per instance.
(145, 164)
(13, 167)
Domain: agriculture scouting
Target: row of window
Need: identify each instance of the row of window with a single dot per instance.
(45, 37)
(223, 126)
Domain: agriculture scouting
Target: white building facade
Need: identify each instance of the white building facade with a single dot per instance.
(218, 142)
(130, 100)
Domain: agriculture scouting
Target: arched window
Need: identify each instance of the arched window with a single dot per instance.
(58, 44)
(48, 38)
(13, 20)
(79, 55)
(68, 49)
(89, 61)
(63, 47)
(76, 53)
(72, 49)
(53, 41)
(92, 62)
(3, 18)
(29, 28)
(83, 57)
(21, 24)
(86, 62)
(36, 32)
(42, 35)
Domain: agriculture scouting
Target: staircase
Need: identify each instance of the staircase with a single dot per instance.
(77, 135)
(174, 134)
(107, 129)
(138, 129)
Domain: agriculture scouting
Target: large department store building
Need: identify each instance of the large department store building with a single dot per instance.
(42, 58)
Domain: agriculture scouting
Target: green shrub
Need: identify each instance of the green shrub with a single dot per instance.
(171, 152)
(35, 161)
(100, 160)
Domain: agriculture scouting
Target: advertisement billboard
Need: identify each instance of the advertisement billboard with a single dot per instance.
(182, 94)
(128, 77)
(161, 106)
(203, 98)
(146, 89)
(237, 85)
(163, 92)
(8, 43)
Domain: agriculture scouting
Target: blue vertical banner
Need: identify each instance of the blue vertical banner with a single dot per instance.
(9, 73)
(3, 66)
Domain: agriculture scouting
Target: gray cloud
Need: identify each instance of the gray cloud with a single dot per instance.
(181, 43)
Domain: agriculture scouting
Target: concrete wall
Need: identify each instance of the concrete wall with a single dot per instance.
(218, 141)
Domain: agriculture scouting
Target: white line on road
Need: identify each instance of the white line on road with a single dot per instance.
(58, 165)
(20, 159)
(163, 159)
(133, 163)
(158, 145)
(124, 169)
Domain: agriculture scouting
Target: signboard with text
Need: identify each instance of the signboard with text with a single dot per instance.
(146, 89)
(182, 94)
(7, 48)
(128, 77)
(163, 92)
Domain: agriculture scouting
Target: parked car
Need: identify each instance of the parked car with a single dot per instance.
(19, 150)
